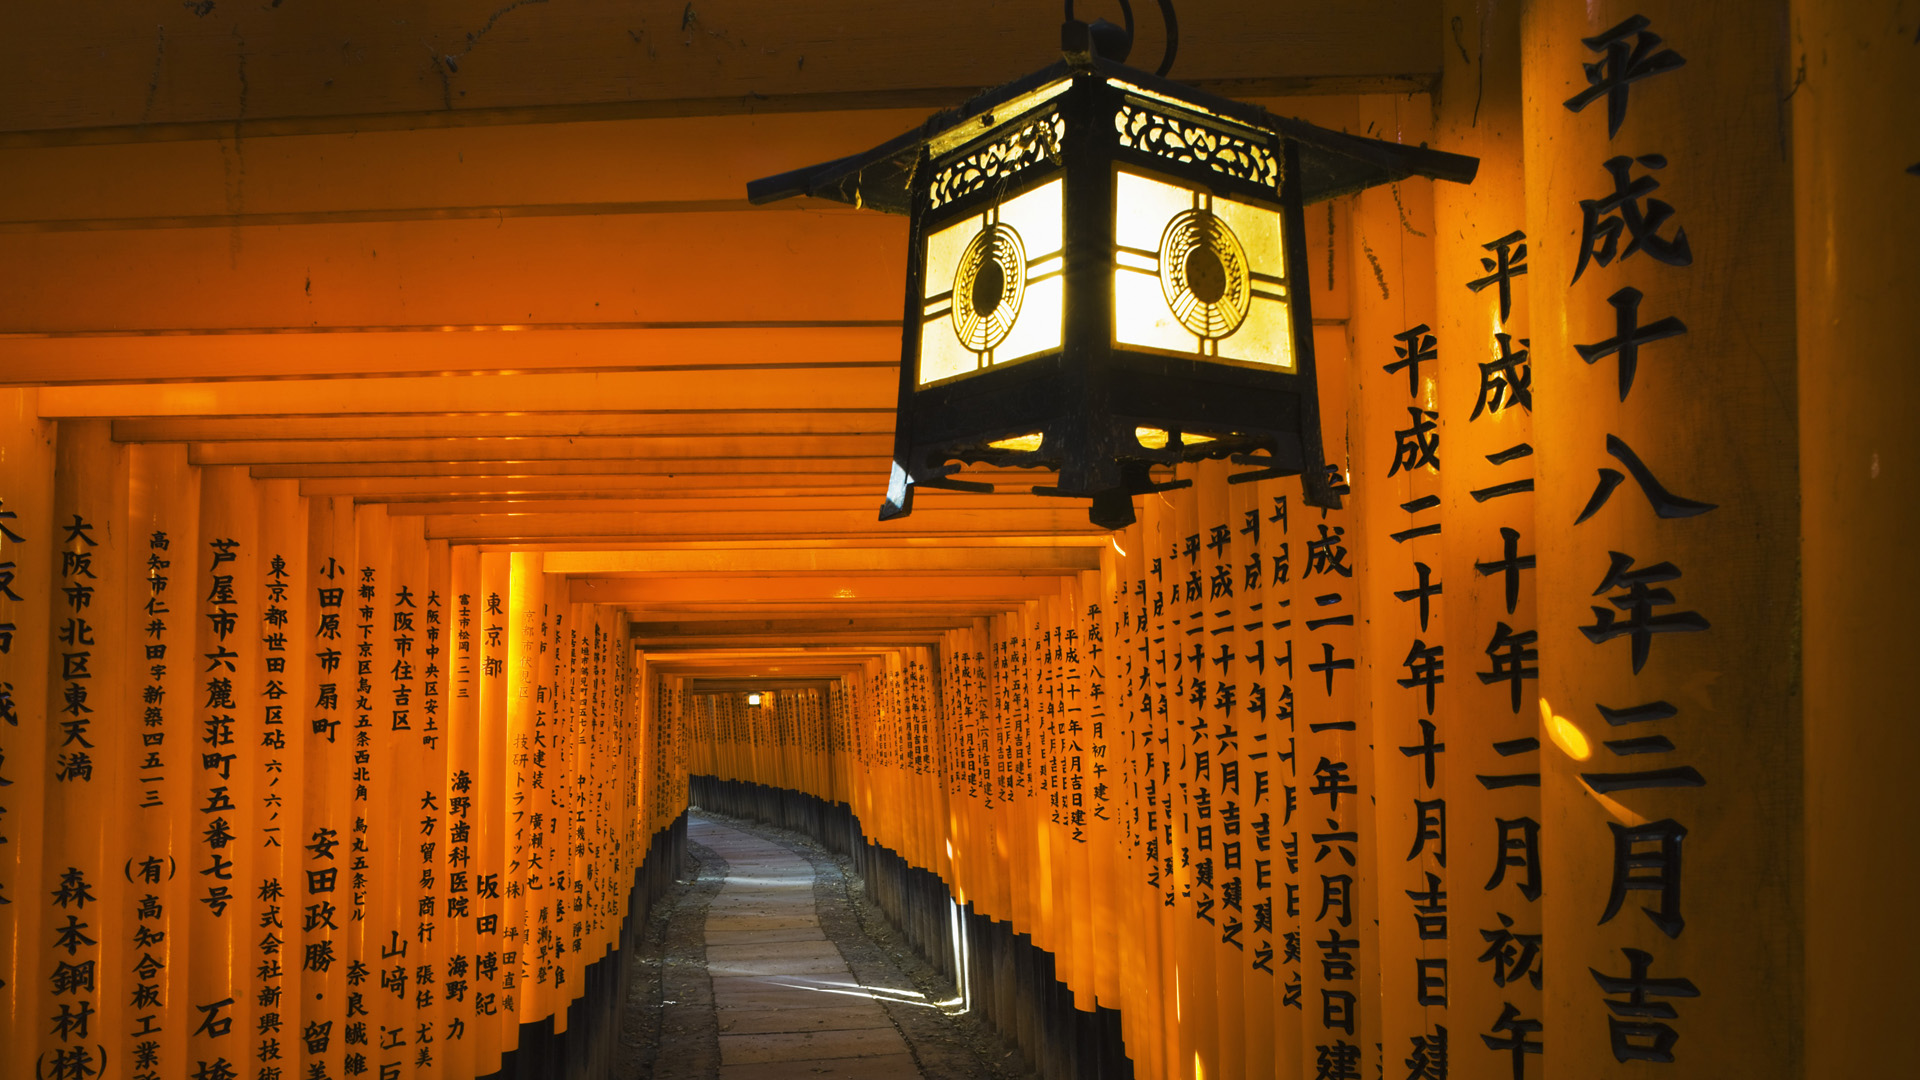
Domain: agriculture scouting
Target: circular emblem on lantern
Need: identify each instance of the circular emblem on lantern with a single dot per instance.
(1203, 272)
(988, 286)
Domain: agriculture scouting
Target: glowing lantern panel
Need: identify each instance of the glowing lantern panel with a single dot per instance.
(1099, 280)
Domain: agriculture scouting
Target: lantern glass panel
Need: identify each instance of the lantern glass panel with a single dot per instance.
(992, 288)
(1199, 275)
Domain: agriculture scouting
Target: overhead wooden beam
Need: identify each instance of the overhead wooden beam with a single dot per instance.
(787, 387)
(752, 683)
(826, 588)
(570, 483)
(665, 164)
(960, 612)
(849, 667)
(675, 629)
(675, 268)
(197, 353)
(721, 632)
(853, 623)
(746, 522)
(602, 564)
(872, 467)
(787, 662)
(876, 639)
(793, 542)
(657, 165)
(707, 502)
(652, 448)
(827, 668)
(712, 422)
(413, 488)
(127, 68)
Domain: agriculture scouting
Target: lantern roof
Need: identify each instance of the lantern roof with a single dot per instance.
(1331, 164)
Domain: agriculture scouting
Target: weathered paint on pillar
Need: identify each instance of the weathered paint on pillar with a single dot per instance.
(26, 546)
(1668, 637)
(1856, 175)
(163, 530)
(326, 733)
(1400, 457)
(224, 834)
(1484, 581)
(84, 887)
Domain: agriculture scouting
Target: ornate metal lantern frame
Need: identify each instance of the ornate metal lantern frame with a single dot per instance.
(1021, 203)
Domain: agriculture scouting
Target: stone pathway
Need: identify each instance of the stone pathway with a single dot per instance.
(768, 963)
(786, 1003)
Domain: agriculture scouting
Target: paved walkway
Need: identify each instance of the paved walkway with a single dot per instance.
(783, 1002)
(767, 964)
(786, 1002)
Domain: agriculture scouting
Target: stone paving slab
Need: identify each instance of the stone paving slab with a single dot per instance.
(763, 999)
(731, 991)
(775, 936)
(819, 965)
(887, 1067)
(772, 950)
(751, 923)
(833, 1018)
(809, 1045)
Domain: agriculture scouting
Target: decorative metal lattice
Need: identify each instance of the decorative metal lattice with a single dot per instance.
(988, 287)
(1203, 272)
(1035, 141)
(1192, 143)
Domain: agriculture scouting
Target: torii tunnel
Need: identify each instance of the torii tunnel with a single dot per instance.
(428, 484)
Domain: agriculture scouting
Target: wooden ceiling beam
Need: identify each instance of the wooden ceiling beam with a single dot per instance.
(619, 448)
(711, 422)
(344, 65)
(876, 638)
(872, 467)
(960, 613)
(419, 349)
(683, 268)
(620, 166)
(392, 488)
(825, 588)
(752, 683)
(790, 387)
(428, 487)
(673, 629)
(747, 522)
(850, 668)
(882, 538)
(694, 502)
(785, 660)
(790, 667)
(605, 565)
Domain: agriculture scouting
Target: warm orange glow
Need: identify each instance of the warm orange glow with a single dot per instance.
(1018, 442)
(1564, 733)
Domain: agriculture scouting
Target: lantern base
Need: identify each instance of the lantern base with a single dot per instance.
(1110, 482)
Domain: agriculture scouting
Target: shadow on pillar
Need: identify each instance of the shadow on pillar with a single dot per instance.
(590, 1047)
(1014, 983)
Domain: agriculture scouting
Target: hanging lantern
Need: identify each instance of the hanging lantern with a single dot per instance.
(1105, 274)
